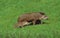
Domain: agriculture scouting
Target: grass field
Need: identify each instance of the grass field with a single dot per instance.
(11, 9)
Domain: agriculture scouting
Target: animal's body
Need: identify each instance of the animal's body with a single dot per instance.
(30, 17)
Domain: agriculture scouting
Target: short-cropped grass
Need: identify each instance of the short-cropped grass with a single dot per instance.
(11, 9)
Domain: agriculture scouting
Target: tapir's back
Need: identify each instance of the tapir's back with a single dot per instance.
(29, 16)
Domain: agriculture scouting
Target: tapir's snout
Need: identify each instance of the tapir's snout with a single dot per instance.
(45, 17)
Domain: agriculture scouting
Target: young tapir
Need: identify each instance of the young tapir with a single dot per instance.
(26, 18)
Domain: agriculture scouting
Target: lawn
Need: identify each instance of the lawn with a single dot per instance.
(11, 9)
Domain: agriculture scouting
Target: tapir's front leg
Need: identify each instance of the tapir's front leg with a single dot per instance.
(34, 22)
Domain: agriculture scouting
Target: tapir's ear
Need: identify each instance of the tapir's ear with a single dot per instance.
(42, 13)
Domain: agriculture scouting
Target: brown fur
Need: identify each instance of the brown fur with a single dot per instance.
(30, 17)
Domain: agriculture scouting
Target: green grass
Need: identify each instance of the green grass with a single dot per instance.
(11, 9)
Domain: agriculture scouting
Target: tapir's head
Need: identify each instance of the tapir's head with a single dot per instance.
(43, 16)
